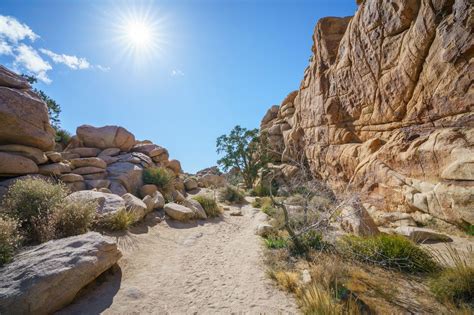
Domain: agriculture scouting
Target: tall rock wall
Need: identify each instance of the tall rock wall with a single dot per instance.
(387, 106)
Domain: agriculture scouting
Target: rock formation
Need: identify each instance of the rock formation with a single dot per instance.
(386, 108)
(45, 278)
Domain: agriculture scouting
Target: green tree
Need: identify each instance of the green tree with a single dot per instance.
(54, 109)
(243, 151)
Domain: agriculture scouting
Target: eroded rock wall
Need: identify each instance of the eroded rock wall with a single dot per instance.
(386, 105)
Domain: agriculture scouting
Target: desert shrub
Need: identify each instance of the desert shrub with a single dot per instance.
(314, 300)
(286, 279)
(388, 251)
(261, 201)
(470, 230)
(159, 176)
(209, 205)
(455, 284)
(121, 220)
(32, 202)
(63, 136)
(261, 190)
(9, 238)
(276, 242)
(231, 194)
(73, 218)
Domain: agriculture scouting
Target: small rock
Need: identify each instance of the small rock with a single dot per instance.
(88, 170)
(148, 190)
(264, 229)
(54, 157)
(178, 212)
(422, 235)
(236, 213)
(71, 178)
(109, 152)
(54, 169)
(135, 205)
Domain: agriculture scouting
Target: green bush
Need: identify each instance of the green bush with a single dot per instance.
(9, 239)
(63, 136)
(455, 284)
(388, 251)
(231, 194)
(159, 176)
(209, 205)
(470, 230)
(276, 242)
(118, 221)
(32, 202)
(74, 218)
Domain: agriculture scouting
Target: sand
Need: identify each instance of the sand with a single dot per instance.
(205, 267)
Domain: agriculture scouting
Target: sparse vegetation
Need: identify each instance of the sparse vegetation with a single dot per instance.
(231, 194)
(209, 205)
(74, 218)
(286, 279)
(121, 220)
(455, 284)
(388, 251)
(9, 238)
(63, 136)
(261, 190)
(33, 203)
(159, 176)
(276, 242)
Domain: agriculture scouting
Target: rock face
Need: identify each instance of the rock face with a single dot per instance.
(45, 278)
(386, 105)
(23, 115)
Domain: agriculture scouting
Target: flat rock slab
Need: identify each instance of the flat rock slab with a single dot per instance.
(422, 235)
(107, 203)
(47, 277)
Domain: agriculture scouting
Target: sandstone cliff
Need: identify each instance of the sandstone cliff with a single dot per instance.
(386, 108)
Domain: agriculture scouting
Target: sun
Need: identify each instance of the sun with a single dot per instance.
(139, 34)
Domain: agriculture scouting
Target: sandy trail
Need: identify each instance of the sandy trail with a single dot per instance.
(207, 267)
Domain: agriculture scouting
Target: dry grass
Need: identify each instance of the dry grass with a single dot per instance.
(74, 218)
(119, 221)
(9, 239)
(231, 194)
(455, 284)
(209, 205)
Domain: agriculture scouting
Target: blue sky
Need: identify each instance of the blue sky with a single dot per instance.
(210, 66)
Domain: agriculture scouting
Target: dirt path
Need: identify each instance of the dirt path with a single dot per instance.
(208, 267)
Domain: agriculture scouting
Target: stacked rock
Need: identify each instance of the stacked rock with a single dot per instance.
(25, 131)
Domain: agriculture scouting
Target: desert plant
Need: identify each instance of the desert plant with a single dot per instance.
(209, 205)
(470, 230)
(9, 239)
(32, 201)
(262, 190)
(73, 218)
(455, 284)
(231, 194)
(314, 300)
(159, 176)
(288, 280)
(276, 242)
(388, 251)
(63, 136)
(121, 220)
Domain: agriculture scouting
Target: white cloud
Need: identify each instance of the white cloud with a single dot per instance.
(102, 68)
(72, 62)
(15, 31)
(177, 73)
(5, 48)
(28, 58)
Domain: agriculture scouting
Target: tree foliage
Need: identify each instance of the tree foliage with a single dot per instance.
(243, 151)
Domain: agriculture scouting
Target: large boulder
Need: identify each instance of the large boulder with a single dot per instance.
(32, 153)
(106, 203)
(178, 212)
(106, 137)
(129, 175)
(190, 183)
(14, 165)
(47, 277)
(23, 115)
(355, 219)
(54, 169)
